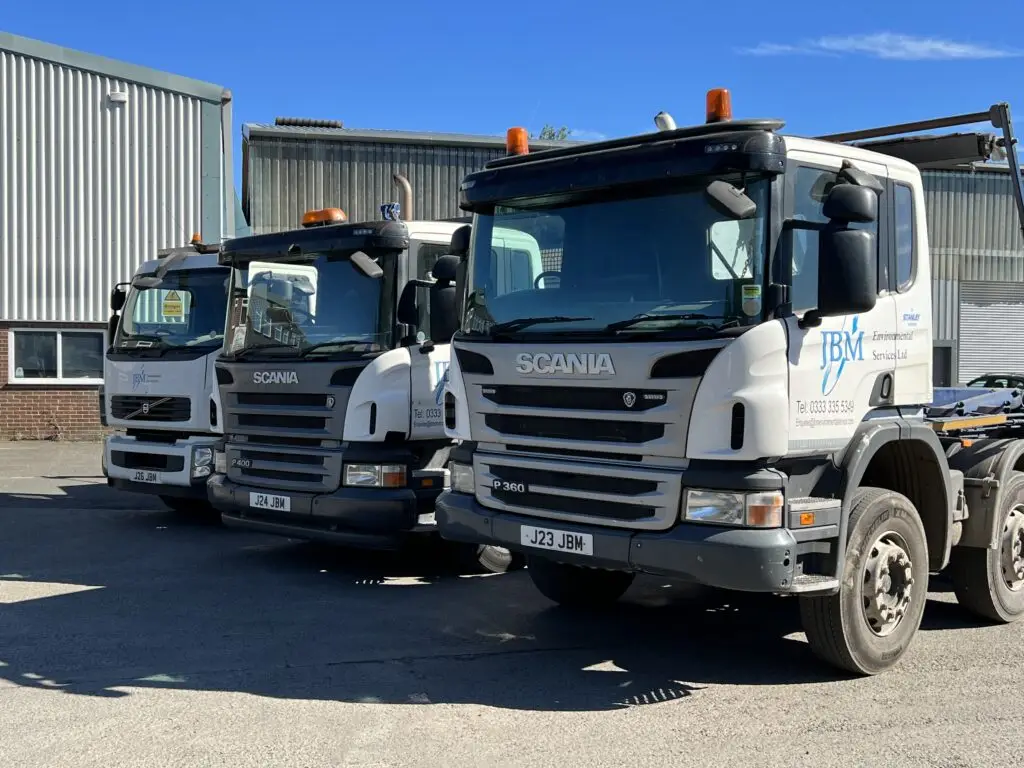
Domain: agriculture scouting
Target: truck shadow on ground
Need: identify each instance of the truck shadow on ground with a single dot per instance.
(171, 602)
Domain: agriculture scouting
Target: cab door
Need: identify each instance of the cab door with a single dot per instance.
(842, 369)
(427, 370)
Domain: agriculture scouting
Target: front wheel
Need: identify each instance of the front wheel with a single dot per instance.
(990, 582)
(576, 587)
(867, 626)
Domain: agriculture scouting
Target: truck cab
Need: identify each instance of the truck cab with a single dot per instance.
(159, 385)
(729, 384)
(337, 345)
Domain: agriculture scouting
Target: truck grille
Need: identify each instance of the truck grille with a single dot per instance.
(591, 430)
(629, 497)
(284, 440)
(150, 408)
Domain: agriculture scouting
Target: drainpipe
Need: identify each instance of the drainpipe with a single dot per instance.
(406, 199)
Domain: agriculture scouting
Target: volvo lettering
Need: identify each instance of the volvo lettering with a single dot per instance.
(768, 424)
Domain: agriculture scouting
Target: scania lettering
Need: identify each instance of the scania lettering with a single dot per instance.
(275, 377)
(158, 379)
(558, 363)
(338, 341)
(726, 378)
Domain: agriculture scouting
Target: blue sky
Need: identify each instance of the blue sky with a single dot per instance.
(596, 68)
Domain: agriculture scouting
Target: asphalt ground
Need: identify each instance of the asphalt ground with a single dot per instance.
(131, 636)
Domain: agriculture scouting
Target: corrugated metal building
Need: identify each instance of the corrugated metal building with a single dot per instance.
(977, 249)
(102, 163)
(287, 170)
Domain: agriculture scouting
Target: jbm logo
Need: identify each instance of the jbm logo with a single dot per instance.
(441, 369)
(837, 349)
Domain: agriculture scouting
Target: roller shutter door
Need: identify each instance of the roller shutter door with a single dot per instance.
(991, 332)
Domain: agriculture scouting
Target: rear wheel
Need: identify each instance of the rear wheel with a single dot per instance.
(576, 587)
(867, 626)
(990, 582)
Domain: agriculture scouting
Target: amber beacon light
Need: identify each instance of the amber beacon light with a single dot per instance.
(719, 105)
(517, 141)
(323, 217)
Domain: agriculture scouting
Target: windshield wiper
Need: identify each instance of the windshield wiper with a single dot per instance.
(620, 325)
(340, 343)
(248, 351)
(511, 326)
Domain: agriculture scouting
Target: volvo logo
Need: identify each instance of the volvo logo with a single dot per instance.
(275, 377)
(629, 398)
(145, 408)
(549, 363)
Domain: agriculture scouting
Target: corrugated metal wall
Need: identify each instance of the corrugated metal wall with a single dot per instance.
(974, 235)
(88, 188)
(287, 177)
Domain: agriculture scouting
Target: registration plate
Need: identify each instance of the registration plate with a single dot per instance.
(146, 476)
(559, 541)
(269, 501)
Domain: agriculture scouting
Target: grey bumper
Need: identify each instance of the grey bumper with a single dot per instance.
(744, 560)
(373, 518)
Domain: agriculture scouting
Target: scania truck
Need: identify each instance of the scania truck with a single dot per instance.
(337, 343)
(728, 382)
(166, 329)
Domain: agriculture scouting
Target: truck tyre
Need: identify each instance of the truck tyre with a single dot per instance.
(484, 558)
(576, 587)
(867, 626)
(990, 582)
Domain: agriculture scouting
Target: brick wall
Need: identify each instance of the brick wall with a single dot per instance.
(46, 412)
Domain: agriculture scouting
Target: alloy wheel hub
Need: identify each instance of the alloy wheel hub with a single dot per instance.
(888, 581)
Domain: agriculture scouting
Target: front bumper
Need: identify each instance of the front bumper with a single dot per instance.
(164, 469)
(372, 518)
(747, 560)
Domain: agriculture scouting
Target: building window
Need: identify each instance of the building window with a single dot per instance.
(811, 186)
(904, 199)
(45, 356)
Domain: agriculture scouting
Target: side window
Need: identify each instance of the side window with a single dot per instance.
(904, 199)
(426, 256)
(810, 189)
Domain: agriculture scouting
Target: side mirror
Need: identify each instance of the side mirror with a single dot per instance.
(460, 241)
(118, 295)
(445, 269)
(847, 274)
(112, 329)
(848, 203)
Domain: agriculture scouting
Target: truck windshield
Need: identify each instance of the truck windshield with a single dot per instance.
(665, 263)
(186, 308)
(324, 306)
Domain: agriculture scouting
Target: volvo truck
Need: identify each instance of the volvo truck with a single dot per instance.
(159, 387)
(338, 340)
(729, 383)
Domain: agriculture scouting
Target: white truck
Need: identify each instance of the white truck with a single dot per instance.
(730, 382)
(159, 385)
(338, 339)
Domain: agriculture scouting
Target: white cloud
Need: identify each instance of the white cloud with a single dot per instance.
(886, 45)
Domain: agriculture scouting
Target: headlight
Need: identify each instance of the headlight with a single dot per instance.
(375, 475)
(202, 457)
(756, 510)
(463, 480)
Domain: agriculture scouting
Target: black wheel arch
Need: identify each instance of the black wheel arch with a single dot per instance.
(911, 461)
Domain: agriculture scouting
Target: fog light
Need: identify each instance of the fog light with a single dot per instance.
(375, 475)
(198, 472)
(463, 479)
